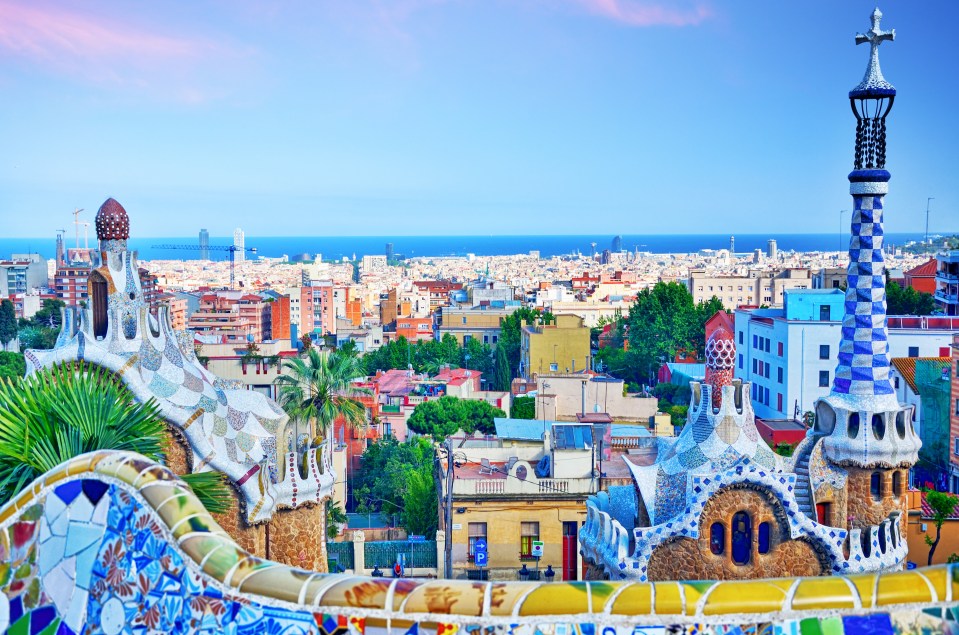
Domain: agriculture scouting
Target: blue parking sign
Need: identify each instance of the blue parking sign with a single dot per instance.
(480, 558)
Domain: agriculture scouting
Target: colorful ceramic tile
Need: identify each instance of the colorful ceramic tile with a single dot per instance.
(766, 596)
(823, 593)
(447, 596)
(547, 599)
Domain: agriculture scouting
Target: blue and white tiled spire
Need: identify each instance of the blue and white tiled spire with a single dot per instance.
(864, 422)
(864, 350)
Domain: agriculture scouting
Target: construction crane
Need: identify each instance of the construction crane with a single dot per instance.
(230, 248)
(76, 224)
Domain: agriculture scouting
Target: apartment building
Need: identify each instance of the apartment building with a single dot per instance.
(756, 288)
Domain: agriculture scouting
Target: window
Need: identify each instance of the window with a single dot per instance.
(495, 338)
(895, 381)
(824, 351)
(767, 344)
(755, 365)
(755, 341)
(835, 284)
(875, 486)
(824, 313)
(741, 365)
(464, 320)
(764, 532)
(780, 349)
(779, 402)
(742, 538)
(476, 531)
(528, 533)
(486, 339)
(897, 484)
(957, 406)
(467, 338)
(779, 374)
(913, 351)
(717, 538)
(955, 449)
(740, 337)
(824, 379)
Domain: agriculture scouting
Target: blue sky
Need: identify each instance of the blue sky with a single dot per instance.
(382, 117)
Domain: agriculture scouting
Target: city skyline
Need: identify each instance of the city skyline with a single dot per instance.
(452, 118)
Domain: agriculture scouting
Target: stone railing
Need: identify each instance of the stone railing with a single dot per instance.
(111, 542)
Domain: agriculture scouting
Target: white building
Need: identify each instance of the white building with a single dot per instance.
(239, 241)
(790, 354)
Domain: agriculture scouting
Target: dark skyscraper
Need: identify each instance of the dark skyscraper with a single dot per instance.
(617, 244)
(204, 244)
(389, 252)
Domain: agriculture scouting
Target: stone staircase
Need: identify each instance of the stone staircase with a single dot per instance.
(803, 487)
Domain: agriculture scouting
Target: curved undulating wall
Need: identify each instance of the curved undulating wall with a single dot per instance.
(112, 543)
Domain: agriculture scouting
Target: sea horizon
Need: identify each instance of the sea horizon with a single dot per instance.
(336, 247)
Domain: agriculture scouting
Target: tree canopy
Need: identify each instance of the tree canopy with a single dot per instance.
(442, 417)
(397, 478)
(8, 322)
(942, 504)
(907, 301)
(427, 356)
(661, 322)
(41, 330)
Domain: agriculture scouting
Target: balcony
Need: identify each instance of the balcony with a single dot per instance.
(948, 298)
(532, 486)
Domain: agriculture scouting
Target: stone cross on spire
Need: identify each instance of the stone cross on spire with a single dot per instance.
(874, 36)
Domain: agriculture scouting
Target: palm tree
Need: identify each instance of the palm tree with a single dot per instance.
(319, 388)
(71, 409)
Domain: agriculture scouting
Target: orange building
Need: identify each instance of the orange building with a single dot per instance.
(414, 329)
(280, 318)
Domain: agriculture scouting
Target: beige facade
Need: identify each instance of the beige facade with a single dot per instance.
(561, 396)
(756, 288)
(482, 325)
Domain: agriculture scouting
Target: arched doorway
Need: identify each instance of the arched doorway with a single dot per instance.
(97, 288)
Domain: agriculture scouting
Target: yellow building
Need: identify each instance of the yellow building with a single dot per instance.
(478, 323)
(559, 347)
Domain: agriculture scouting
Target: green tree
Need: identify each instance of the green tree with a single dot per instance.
(38, 337)
(8, 322)
(510, 337)
(907, 301)
(319, 388)
(662, 321)
(12, 365)
(65, 411)
(942, 504)
(335, 518)
(397, 478)
(49, 315)
(523, 408)
(501, 374)
(442, 417)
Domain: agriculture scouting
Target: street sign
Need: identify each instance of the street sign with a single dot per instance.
(480, 544)
(415, 538)
(537, 549)
(480, 558)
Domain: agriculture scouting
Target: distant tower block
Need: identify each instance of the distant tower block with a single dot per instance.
(239, 240)
(204, 244)
(389, 252)
(617, 245)
(771, 250)
(732, 245)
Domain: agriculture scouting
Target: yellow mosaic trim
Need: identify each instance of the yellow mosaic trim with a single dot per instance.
(128, 365)
(218, 556)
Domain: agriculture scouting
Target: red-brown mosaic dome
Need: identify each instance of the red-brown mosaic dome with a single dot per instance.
(112, 221)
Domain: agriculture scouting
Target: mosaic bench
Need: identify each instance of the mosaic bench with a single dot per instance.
(110, 542)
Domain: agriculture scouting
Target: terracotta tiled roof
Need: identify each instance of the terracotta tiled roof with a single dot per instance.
(907, 367)
(926, 269)
(928, 513)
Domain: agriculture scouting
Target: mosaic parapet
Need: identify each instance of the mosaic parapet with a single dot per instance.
(111, 542)
(229, 429)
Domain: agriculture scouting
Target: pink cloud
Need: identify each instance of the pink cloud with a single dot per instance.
(642, 13)
(101, 49)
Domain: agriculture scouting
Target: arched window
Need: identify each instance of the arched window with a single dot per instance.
(901, 424)
(864, 543)
(99, 298)
(897, 484)
(717, 538)
(875, 486)
(853, 427)
(764, 531)
(878, 427)
(742, 537)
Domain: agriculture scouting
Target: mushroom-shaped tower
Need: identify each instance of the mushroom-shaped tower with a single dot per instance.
(868, 431)
(112, 224)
